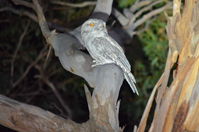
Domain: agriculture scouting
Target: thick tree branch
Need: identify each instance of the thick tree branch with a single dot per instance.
(26, 118)
(120, 17)
(104, 6)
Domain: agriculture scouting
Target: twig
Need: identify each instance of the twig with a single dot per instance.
(54, 89)
(20, 13)
(139, 5)
(145, 27)
(34, 18)
(57, 94)
(24, 3)
(74, 5)
(48, 54)
(28, 69)
(128, 13)
(151, 14)
(17, 49)
(140, 12)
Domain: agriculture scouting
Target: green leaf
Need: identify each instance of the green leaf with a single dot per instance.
(125, 3)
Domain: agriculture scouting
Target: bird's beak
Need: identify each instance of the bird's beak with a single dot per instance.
(91, 24)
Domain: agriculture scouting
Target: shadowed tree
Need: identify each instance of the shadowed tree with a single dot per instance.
(176, 102)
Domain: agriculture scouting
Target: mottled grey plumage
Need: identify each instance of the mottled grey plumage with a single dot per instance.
(104, 49)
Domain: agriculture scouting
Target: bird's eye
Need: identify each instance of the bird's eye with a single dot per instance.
(91, 24)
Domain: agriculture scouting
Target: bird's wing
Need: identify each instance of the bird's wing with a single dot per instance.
(113, 42)
(111, 50)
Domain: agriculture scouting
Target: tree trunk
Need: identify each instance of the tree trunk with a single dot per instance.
(177, 101)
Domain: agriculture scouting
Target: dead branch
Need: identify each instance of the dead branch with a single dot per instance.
(17, 49)
(146, 113)
(140, 12)
(39, 57)
(140, 4)
(177, 103)
(151, 14)
(45, 79)
(41, 19)
(34, 18)
(27, 118)
(20, 13)
(120, 17)
(146, 26)
(23, 3)
(134, 19)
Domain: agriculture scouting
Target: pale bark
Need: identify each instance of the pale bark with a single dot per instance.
(177, 104)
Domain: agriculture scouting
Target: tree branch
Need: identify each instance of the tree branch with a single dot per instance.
(23, 3)
(104, 6)
(20, 13)
(74, 5)
(140, 12)
(151, 14)
(26, 118)
(120, 17)
(135, 19)
(17, 49)
(39, 57)
(55, 91)
(139, 5)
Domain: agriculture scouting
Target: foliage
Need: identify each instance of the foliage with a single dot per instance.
(125, 3)
(154, 42)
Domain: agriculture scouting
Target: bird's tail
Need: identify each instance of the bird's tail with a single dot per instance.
(131, 81)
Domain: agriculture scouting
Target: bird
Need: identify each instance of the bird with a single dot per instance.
(104, 49)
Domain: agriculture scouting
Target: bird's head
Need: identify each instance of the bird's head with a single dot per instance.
(93, 26)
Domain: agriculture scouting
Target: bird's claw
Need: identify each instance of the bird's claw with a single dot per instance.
(94, 63)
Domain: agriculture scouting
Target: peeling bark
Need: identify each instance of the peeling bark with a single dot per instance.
(177, 105)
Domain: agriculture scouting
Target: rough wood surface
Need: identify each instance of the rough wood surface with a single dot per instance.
(177, 104)
(28, 118)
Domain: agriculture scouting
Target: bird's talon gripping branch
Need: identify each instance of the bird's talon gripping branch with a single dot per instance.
(93, 65)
